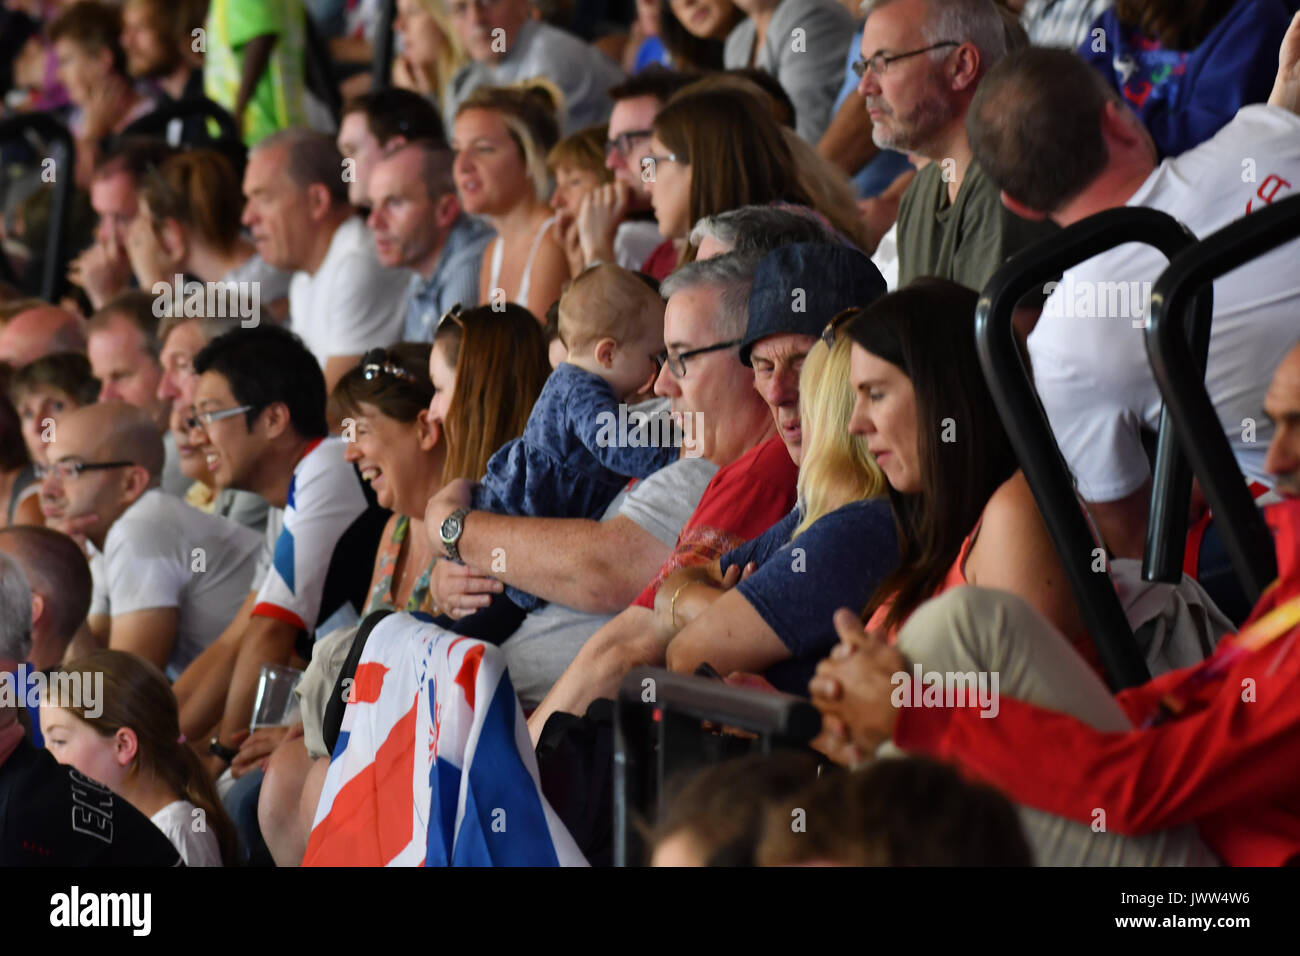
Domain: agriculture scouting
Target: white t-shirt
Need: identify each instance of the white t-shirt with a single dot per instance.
(1089, 358)
(310, 541)
(548, 639)
(163, 553)
(634, 240)
(182, 823)
(351, 303)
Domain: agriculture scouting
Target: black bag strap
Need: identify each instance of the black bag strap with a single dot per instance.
(337, 703)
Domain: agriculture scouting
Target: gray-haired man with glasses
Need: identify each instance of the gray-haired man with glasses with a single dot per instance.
(922, 61)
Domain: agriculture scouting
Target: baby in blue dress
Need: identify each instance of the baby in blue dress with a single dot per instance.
(578, 449)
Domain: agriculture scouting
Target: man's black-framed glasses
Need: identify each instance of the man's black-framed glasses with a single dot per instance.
(878, 63)
(677, 363)
(622, 143)
(68, 470)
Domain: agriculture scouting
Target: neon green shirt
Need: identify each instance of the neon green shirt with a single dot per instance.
(277, 100)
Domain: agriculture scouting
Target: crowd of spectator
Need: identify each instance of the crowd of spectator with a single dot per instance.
(631, 335)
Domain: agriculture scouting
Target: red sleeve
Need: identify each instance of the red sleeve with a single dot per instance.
(741, 502)
(1139, 702)
(1229, 753)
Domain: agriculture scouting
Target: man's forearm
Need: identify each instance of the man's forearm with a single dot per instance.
(257, 54)
(267, 641)
(592, 566)
(1123, 523)
(201, 689)
(623, 643)
(847, 141)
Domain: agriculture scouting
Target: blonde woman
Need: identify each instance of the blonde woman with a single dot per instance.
(501, 138)
(768, 608)
(133, 745)
(431, 51)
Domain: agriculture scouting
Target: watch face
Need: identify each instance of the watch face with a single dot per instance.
(451, 528)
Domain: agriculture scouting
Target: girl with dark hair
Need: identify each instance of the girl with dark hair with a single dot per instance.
(744, 159)
(964, 512)
(133, 745)
(693, 32)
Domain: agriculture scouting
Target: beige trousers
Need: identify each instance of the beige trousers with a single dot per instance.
(979, 630)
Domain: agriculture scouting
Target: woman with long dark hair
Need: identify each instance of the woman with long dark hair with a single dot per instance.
(963, 509)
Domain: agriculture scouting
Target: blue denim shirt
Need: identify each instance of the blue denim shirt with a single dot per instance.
(454, 279)
(572, 458)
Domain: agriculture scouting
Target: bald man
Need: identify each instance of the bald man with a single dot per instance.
(41, 331)
(168, 578)
(1282, 406)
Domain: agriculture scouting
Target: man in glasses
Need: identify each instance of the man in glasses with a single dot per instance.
(168, 578)
(615, 221)
(723, 314)
(918, 85)
(418, 224)
(260, 421)
(505, 45)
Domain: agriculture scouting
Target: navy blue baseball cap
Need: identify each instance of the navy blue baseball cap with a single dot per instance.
(800, 287)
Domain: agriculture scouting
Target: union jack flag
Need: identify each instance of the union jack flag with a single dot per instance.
(434, 765)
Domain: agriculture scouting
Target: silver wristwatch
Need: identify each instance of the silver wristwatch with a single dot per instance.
(453, 526)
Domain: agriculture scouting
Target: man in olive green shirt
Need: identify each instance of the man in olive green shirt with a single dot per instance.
(951, 221)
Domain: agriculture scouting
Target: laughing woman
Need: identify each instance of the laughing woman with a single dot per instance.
(422, 415)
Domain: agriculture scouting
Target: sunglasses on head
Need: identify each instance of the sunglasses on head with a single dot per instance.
(377, 362)
(833, 326)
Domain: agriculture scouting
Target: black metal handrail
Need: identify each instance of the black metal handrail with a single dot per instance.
(1245, 534)
(657, 709)
(155, 122)
(1011, 385)
(63, 151)
(382, 69)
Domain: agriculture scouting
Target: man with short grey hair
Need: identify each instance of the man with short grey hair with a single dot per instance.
(706, 325)
(758, 229)
(341, 300)
(922, 61)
